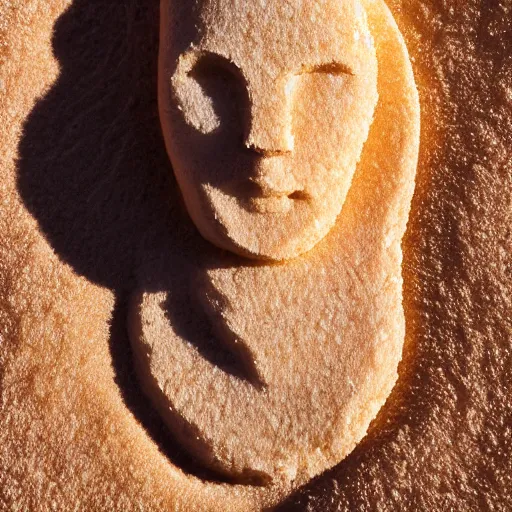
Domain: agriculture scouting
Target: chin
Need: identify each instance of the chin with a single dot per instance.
(266, 246)
(269, 229)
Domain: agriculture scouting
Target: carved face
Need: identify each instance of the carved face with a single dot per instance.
(265, 117)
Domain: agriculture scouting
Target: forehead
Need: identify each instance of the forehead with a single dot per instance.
(284, 33)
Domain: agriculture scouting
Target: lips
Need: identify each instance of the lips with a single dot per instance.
(275, 201)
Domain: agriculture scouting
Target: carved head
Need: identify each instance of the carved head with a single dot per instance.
(265, 116)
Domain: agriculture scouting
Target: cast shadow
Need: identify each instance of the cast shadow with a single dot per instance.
(94, 173)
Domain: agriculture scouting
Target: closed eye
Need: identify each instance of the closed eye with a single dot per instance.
(330, 68)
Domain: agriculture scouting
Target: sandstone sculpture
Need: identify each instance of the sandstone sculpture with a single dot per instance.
(293, 130)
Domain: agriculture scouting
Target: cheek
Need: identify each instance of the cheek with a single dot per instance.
(326, 125)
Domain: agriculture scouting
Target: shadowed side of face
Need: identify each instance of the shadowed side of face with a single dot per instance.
(265, 108)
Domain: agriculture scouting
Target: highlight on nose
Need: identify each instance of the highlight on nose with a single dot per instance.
(270, 123)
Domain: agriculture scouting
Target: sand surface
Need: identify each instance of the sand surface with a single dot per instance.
(84, 180)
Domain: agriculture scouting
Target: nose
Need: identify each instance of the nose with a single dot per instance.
(270, 126)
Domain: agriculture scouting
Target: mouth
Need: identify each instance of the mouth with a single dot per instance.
(274, 201)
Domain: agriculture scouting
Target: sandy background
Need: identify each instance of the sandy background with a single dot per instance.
(84, 189)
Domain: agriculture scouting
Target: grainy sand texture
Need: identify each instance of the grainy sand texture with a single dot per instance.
(86, 188)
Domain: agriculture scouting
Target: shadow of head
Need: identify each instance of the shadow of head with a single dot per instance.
(92, 166)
